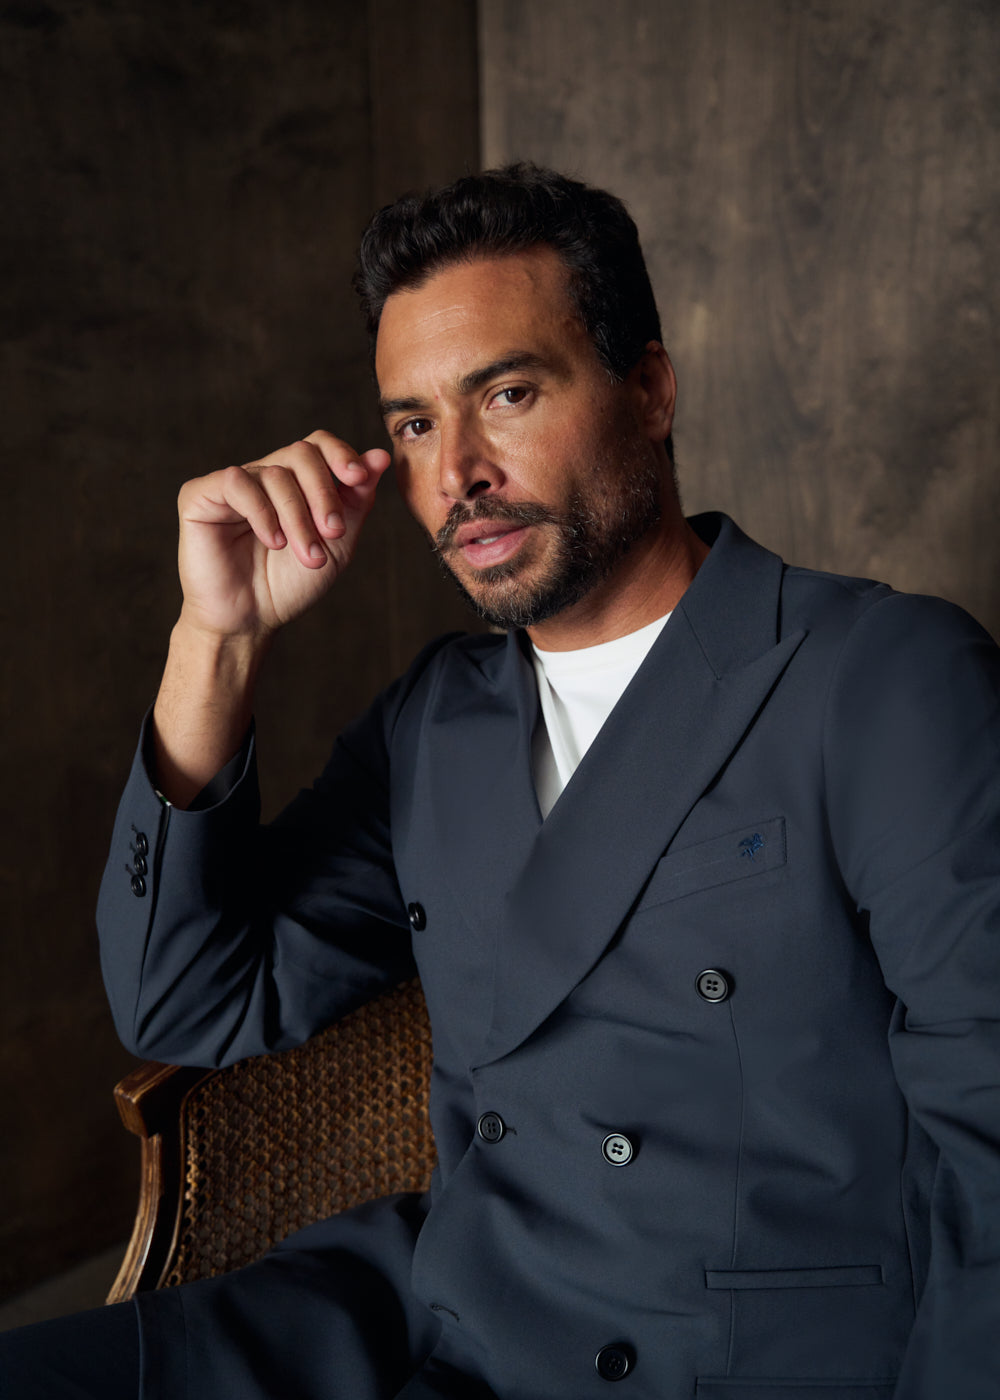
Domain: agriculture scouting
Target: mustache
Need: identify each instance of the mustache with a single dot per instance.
(490, 508)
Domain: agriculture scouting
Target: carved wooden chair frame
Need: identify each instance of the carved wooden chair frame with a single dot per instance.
(234, 1160)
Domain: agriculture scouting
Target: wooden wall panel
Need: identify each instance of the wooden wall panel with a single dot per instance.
(817, 187)
(187, 184)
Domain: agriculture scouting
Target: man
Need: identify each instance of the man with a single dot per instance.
(698, 865)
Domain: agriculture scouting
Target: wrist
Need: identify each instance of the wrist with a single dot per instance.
(204, 706)
(243, 648)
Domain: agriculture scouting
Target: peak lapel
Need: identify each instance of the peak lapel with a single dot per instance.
(477, 752)
(687, 708)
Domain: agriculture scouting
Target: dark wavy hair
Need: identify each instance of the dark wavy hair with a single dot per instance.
(508, 210)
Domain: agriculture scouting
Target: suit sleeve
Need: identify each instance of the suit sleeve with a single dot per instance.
(912, 754)
(230, 938)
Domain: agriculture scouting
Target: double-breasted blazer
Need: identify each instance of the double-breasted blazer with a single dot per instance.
(716, 1089)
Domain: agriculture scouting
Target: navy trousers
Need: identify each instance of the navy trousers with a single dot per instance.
(88, 1356)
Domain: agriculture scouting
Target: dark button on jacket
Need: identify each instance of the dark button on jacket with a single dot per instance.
(614, 1362)
(417, 917)
(136, 871)
(491, 1127)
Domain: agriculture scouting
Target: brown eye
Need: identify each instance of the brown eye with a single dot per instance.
(513, 395)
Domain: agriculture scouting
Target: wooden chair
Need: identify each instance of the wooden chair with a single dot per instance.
(234, 1160)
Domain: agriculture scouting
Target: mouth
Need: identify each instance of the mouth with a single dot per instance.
(484, 548)
(492, 532)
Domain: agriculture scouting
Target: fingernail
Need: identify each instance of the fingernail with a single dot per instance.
(316, 551)
(279, 539)
(334, 521)
(358, 467)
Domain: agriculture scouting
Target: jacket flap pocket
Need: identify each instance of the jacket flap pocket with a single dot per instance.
(840, 1276)
(732, 1388)
(736, 856)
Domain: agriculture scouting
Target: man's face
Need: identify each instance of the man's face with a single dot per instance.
(529, 468)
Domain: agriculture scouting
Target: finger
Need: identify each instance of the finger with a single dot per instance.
(360, 477)
(376, 460)
(358, 492)
(295, 512)
(353, 477)
(350, 467)
(228, 497)
(336, 484)
(315, 462)
(365, 466)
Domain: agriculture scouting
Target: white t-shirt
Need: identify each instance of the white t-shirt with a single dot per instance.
(578, 690)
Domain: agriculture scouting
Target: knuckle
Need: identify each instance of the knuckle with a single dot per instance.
(327, 446)
(234, 476)
(192, 489)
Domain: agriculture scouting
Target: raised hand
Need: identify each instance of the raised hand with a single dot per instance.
(259, 544)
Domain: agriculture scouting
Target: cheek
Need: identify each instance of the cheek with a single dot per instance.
(536, 464)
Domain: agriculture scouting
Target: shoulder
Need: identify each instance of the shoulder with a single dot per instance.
(446, 666)
(814, 599)
(911, 645)
(897, 668)
(911, 737)
(869, 631)
(456, 658)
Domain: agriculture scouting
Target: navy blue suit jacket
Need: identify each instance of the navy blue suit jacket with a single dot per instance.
(798, 794)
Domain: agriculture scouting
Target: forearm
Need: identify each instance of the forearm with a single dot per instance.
(203, 708)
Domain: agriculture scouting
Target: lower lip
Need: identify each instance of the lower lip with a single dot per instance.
(498, 551)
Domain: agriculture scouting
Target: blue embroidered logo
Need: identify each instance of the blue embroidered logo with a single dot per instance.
(750, 845)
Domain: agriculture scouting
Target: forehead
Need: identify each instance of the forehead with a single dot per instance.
(470, 313)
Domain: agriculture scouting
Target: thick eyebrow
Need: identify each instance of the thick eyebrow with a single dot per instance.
(469, 383)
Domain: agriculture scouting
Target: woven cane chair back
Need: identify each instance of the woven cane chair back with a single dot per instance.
(272, 1144)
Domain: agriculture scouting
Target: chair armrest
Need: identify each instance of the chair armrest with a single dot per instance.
(149, 1101)
(234, 1160)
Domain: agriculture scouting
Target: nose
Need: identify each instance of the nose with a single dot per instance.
(466, 466)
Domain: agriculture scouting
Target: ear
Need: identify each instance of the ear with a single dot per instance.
(656, 390)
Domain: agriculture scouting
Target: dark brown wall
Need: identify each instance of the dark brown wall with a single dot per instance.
(817, 187)
(186, 184)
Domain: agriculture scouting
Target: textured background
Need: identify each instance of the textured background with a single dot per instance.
(817, 188)
(186, 184)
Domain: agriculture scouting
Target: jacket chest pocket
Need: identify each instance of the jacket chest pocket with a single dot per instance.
(741, 855)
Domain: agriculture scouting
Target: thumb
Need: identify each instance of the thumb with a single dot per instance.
(375, 462)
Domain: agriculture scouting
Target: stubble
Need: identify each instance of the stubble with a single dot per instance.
(586, 540)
